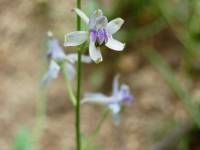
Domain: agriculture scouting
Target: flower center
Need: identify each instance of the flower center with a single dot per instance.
(100, 36)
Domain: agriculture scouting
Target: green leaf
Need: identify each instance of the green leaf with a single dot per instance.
(22, 140)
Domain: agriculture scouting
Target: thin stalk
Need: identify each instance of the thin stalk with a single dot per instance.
(78, 134)
(68, 85)
(96, 131)
(104, 115)
(40, 116)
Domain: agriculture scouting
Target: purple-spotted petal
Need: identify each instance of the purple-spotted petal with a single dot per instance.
(101, 36)
(93, 35)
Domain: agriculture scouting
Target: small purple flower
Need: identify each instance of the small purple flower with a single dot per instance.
(56, 56)
(120, 95)
(100, 33)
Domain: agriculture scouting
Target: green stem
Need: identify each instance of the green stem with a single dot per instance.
(96, 131)
(68, 85)
(100, 123)
(40, 115)
(78, 136)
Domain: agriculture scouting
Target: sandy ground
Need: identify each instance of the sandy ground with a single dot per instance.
(23, 27)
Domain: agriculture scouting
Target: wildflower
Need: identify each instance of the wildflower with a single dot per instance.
(120, 95)
(57, 57)
(100, 33)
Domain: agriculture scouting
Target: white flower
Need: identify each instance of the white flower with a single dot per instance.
(119, 96)
(100, 33)
(56, 57)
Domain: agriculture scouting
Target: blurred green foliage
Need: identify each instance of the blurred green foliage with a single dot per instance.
(22, 140)
(170, 78)
(146, 18)
(184, 143)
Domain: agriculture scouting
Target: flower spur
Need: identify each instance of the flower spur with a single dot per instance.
(99, 34)
(120, 95)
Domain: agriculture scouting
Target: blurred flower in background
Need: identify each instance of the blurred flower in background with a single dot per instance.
(120, 95)
(57, 57)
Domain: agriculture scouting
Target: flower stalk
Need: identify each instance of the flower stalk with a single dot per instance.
(68, 85)
(78, 134)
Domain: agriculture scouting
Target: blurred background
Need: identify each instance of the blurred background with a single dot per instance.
(160, 63)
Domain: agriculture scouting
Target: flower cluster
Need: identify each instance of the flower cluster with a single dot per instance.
(100, 33)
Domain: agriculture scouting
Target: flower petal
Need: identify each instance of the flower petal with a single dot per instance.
(115, 86)
(124, 89)
(97, 98)
(116, 118)
(86, 59)
(114, 25)
(115, 108)
(96, 14)
(101, 22)
(115, 44)
(56, 55)
(82, 15)
(75, 38)
(96, 95)
(125, 94)
(73, 57)
(53, 44)
(95, 52)
(55, 51)
(52, 73)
